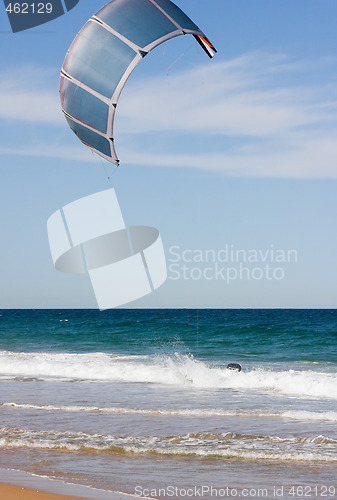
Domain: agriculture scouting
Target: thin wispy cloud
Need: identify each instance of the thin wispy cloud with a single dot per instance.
(29, 94)
(263, 115)
(69, 153)
(258, 115)
(241, 97)
(315, 159)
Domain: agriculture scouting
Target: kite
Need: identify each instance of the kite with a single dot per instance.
(103, 55)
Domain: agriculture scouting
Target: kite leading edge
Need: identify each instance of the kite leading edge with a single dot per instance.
(104, 54)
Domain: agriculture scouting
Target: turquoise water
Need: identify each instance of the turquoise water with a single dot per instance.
(261, 335)
(141, 400)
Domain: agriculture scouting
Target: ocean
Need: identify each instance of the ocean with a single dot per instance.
(141, 401)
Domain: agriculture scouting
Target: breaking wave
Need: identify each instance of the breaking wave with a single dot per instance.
(175, 370)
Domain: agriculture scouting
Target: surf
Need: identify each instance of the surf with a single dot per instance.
(229, 445)
(176, 370)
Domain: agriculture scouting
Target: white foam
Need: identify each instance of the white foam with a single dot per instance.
(330, 416)
(223, 445)
(176, 370)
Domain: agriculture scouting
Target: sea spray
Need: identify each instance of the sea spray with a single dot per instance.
(178, 370)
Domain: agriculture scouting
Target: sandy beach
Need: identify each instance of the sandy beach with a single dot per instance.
(10, 492)
(18, 485)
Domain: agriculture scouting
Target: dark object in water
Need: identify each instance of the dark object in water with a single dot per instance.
(234, 366)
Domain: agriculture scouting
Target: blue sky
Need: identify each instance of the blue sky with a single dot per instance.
(239, 152)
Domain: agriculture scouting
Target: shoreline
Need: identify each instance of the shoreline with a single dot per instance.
(18, 485)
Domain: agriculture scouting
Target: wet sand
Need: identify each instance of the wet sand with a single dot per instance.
(17, 485)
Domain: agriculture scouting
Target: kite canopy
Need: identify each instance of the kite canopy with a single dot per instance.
(102, 57)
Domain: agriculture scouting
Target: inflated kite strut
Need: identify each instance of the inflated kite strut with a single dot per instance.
(104, 54)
